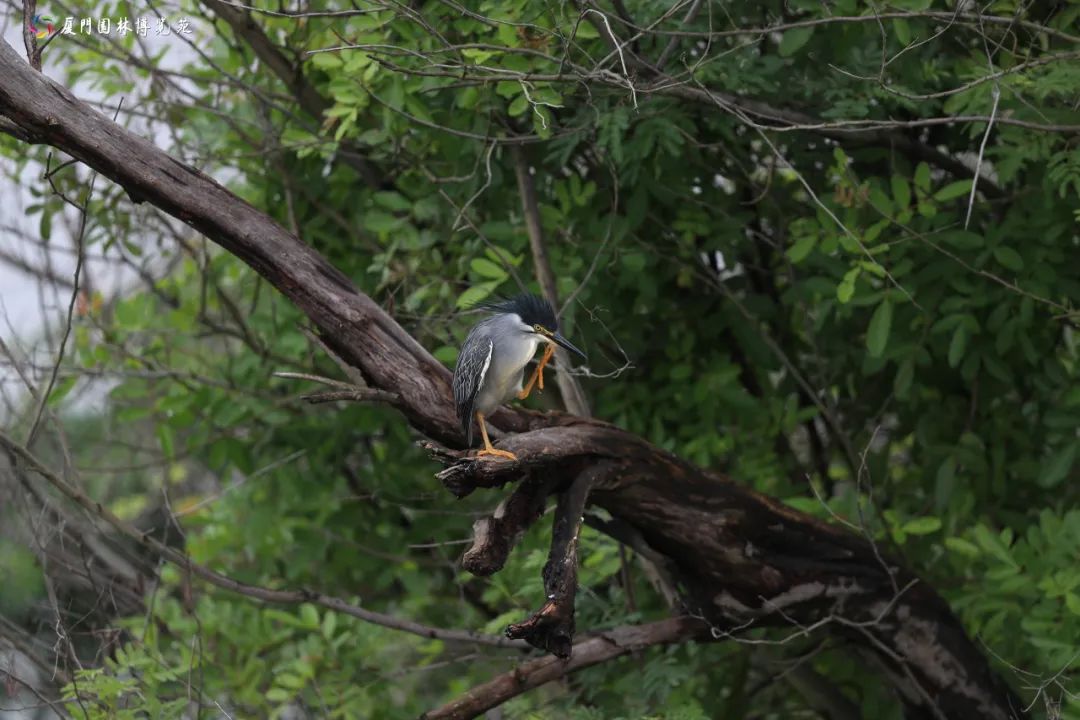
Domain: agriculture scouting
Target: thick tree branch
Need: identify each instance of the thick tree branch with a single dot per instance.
(591, 651)
(551, 627)
(747, 561)
(496, 535)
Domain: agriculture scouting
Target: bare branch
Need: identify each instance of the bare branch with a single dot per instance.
(572, 394)
(591, 651)
(495, 536)
(551, 627)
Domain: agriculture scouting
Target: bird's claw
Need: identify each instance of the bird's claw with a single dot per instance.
(495, 452)
(538, 374)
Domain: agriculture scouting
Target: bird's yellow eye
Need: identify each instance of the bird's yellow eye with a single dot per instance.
(538, 330)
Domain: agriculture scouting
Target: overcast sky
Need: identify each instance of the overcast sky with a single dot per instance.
(29, 308)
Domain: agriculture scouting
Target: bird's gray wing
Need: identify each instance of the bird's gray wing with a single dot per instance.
(472, 365)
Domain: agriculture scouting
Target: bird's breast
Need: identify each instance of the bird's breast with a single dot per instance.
(508, 364)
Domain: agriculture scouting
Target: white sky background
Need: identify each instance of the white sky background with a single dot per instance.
(32, 313)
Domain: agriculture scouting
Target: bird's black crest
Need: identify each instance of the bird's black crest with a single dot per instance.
(532, 309)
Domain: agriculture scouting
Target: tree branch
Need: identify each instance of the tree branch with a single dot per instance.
(551, 627)
(591, 651)
(496, 535)
(573, 397)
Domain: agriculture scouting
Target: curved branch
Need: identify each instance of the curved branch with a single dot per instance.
(591, 651)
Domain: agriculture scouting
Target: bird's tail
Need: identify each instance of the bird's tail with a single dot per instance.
(467, 426)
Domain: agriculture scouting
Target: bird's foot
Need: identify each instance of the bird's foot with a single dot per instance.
(495, 452)
(538, 374)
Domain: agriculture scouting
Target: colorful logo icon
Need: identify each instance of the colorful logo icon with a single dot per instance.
(41, 26)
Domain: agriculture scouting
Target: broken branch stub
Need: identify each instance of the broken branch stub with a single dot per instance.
(551, 627)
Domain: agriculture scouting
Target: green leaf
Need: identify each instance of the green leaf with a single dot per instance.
(480, 56)
(278, 695)
(288, 680)
(993, 544)
(381, 222)
(395, 202)
(877, 335)
(1057, 468)
(922, 177)
(957, 345)
(904, 376)
(586, 31)
(802, 247)
(518, 106)
(1009, 258)
(945, 484)
(901, 191)
(326, 60)
(309, 614)
(488, 269)
(962, 546)
(902, 31)
(329, 624)
(476, 293)
(165, 437)
(794, 39)
(846, 288)
(922, 526)
(446, 354)
(953, 190)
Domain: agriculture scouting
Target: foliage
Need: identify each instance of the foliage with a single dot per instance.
(813, 314)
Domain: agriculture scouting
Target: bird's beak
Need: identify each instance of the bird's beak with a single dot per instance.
(558, 339)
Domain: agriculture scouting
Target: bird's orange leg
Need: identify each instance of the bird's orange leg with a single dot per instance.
(538, 375)
(488, 449)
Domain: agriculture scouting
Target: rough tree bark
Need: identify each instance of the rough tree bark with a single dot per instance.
(742, 559)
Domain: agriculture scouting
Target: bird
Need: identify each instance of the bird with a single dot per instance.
(490, 367)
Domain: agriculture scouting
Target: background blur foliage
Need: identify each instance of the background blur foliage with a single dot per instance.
(727, 315)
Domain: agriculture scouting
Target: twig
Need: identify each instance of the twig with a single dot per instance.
(665, 54)
(996, 93)
(355, 395)
(80, 258)
(33, 52)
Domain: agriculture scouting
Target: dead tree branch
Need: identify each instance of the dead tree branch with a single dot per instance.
(591, 651)
(551, 627)
(496, 535)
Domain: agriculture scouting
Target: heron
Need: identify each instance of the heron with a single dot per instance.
(490, 367)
